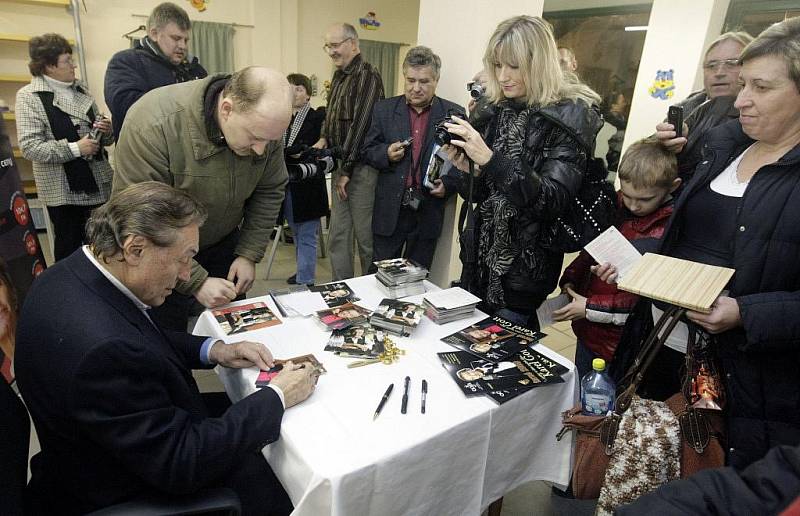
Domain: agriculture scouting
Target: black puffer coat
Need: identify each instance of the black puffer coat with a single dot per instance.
(761, 359)
(559, 140)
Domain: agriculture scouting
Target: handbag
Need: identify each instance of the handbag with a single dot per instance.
(595, 436)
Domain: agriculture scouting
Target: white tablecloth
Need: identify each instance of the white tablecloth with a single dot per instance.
(460, 456)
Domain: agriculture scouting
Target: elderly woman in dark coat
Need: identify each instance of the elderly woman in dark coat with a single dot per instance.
(748, 184)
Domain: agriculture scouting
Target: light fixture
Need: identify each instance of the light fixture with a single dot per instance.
(634, 28)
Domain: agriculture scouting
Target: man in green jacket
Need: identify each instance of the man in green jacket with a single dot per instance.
(220, 140)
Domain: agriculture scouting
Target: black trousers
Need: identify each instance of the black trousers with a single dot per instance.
(217, 260)
(258, 488)
(69, 227)
(405, 234)
(15, 432)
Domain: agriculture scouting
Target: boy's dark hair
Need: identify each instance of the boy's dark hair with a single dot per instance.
(647, 163)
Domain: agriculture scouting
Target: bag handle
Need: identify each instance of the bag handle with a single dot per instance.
(652, 345)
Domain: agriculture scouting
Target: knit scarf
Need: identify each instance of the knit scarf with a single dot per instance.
(497, 247)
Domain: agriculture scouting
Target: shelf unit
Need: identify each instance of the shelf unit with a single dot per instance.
(23, 38)
(46, 3)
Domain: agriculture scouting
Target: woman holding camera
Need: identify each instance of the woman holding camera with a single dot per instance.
(529, 165)
(55, 121)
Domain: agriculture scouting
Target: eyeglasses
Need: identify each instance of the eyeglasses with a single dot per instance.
(66, 62)
(334, 46)
(727, 64)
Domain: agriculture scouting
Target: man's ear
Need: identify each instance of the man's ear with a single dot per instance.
(133, 249)
(225, 108)
(153, 33)
(675, 184)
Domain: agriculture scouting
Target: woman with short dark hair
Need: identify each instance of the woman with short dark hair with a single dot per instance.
(55, 116)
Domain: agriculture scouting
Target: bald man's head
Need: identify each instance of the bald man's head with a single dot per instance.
(255, 107)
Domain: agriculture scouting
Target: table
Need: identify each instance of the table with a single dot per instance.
(460, 456)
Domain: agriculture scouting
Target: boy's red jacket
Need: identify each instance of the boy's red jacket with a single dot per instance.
(607, 307)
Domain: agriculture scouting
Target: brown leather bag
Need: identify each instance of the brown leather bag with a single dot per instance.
(701, 430)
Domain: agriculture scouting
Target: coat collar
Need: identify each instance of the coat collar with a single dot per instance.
(202, 146)
(93, 279)
(78, 106)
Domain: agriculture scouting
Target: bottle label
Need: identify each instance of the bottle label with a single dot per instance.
(596, 404)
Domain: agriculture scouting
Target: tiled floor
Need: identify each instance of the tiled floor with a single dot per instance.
(530, 499)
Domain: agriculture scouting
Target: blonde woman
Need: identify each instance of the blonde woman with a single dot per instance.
(530, 163)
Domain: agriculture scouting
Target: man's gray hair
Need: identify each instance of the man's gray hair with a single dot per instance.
(349, 32)
(423, 56)
(151, 209)
(166, 13)
(781, 40)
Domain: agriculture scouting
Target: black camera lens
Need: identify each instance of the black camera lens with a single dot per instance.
(440, 133)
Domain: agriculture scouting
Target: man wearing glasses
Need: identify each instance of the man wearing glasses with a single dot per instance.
(355, 87)
(710, 107)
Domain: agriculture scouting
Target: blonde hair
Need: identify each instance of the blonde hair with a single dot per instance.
(740, 37)
(647, 163)
(528, 43)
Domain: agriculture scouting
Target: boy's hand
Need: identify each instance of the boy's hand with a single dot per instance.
(606, 272)
(573, 311)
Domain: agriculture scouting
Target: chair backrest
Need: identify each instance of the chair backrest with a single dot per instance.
(15, 431)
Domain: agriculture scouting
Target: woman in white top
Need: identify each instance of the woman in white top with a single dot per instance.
(55, 115)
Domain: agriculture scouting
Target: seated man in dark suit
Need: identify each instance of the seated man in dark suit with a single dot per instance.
(406, 212)
(112, 395)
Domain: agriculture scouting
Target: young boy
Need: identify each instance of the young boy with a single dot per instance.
(648, 176)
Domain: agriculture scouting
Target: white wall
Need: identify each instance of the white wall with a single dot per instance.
(398, 25)
(667, 48)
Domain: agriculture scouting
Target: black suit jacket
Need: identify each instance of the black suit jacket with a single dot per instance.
(310, 196)
(113, 399)
(390, 123)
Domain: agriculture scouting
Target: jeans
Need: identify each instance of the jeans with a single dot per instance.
(305, 241)
(529, 321)
(583, 359)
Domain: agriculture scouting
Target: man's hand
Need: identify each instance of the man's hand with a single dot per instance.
(724, 316)
(341, 187)
(438, 189)
(322, 143)
(87, 146)
(396, 152)
(296, 381)
(665, 133)
(215, 292)
(239, 355)
(242, 272)
(575, 310)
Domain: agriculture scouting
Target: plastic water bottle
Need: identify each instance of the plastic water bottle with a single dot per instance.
(598, 391)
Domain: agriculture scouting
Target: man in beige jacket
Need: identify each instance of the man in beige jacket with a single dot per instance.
(218, 139)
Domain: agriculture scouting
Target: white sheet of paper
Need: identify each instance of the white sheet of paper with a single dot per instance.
(545, 311)
(451, 298)
(610, 246)
(304, 303)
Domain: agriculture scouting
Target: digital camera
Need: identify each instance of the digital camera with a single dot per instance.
(440, 133)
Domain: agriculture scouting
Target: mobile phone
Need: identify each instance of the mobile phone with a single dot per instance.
(675, 117)
(407, 141)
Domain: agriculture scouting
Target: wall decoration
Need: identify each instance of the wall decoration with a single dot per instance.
(200, 5)
(663, 86)
(369, 22)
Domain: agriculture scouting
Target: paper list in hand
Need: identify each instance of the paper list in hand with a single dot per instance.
(610, 246)
(545, 311)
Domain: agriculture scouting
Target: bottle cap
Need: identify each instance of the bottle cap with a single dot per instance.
(598, 364)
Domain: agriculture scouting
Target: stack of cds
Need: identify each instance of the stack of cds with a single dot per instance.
(444, 306)
(400, 277)
(398, 317)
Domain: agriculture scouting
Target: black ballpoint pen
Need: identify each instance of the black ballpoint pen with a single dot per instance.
(404, 406)
(424, 394)
(383, 401)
